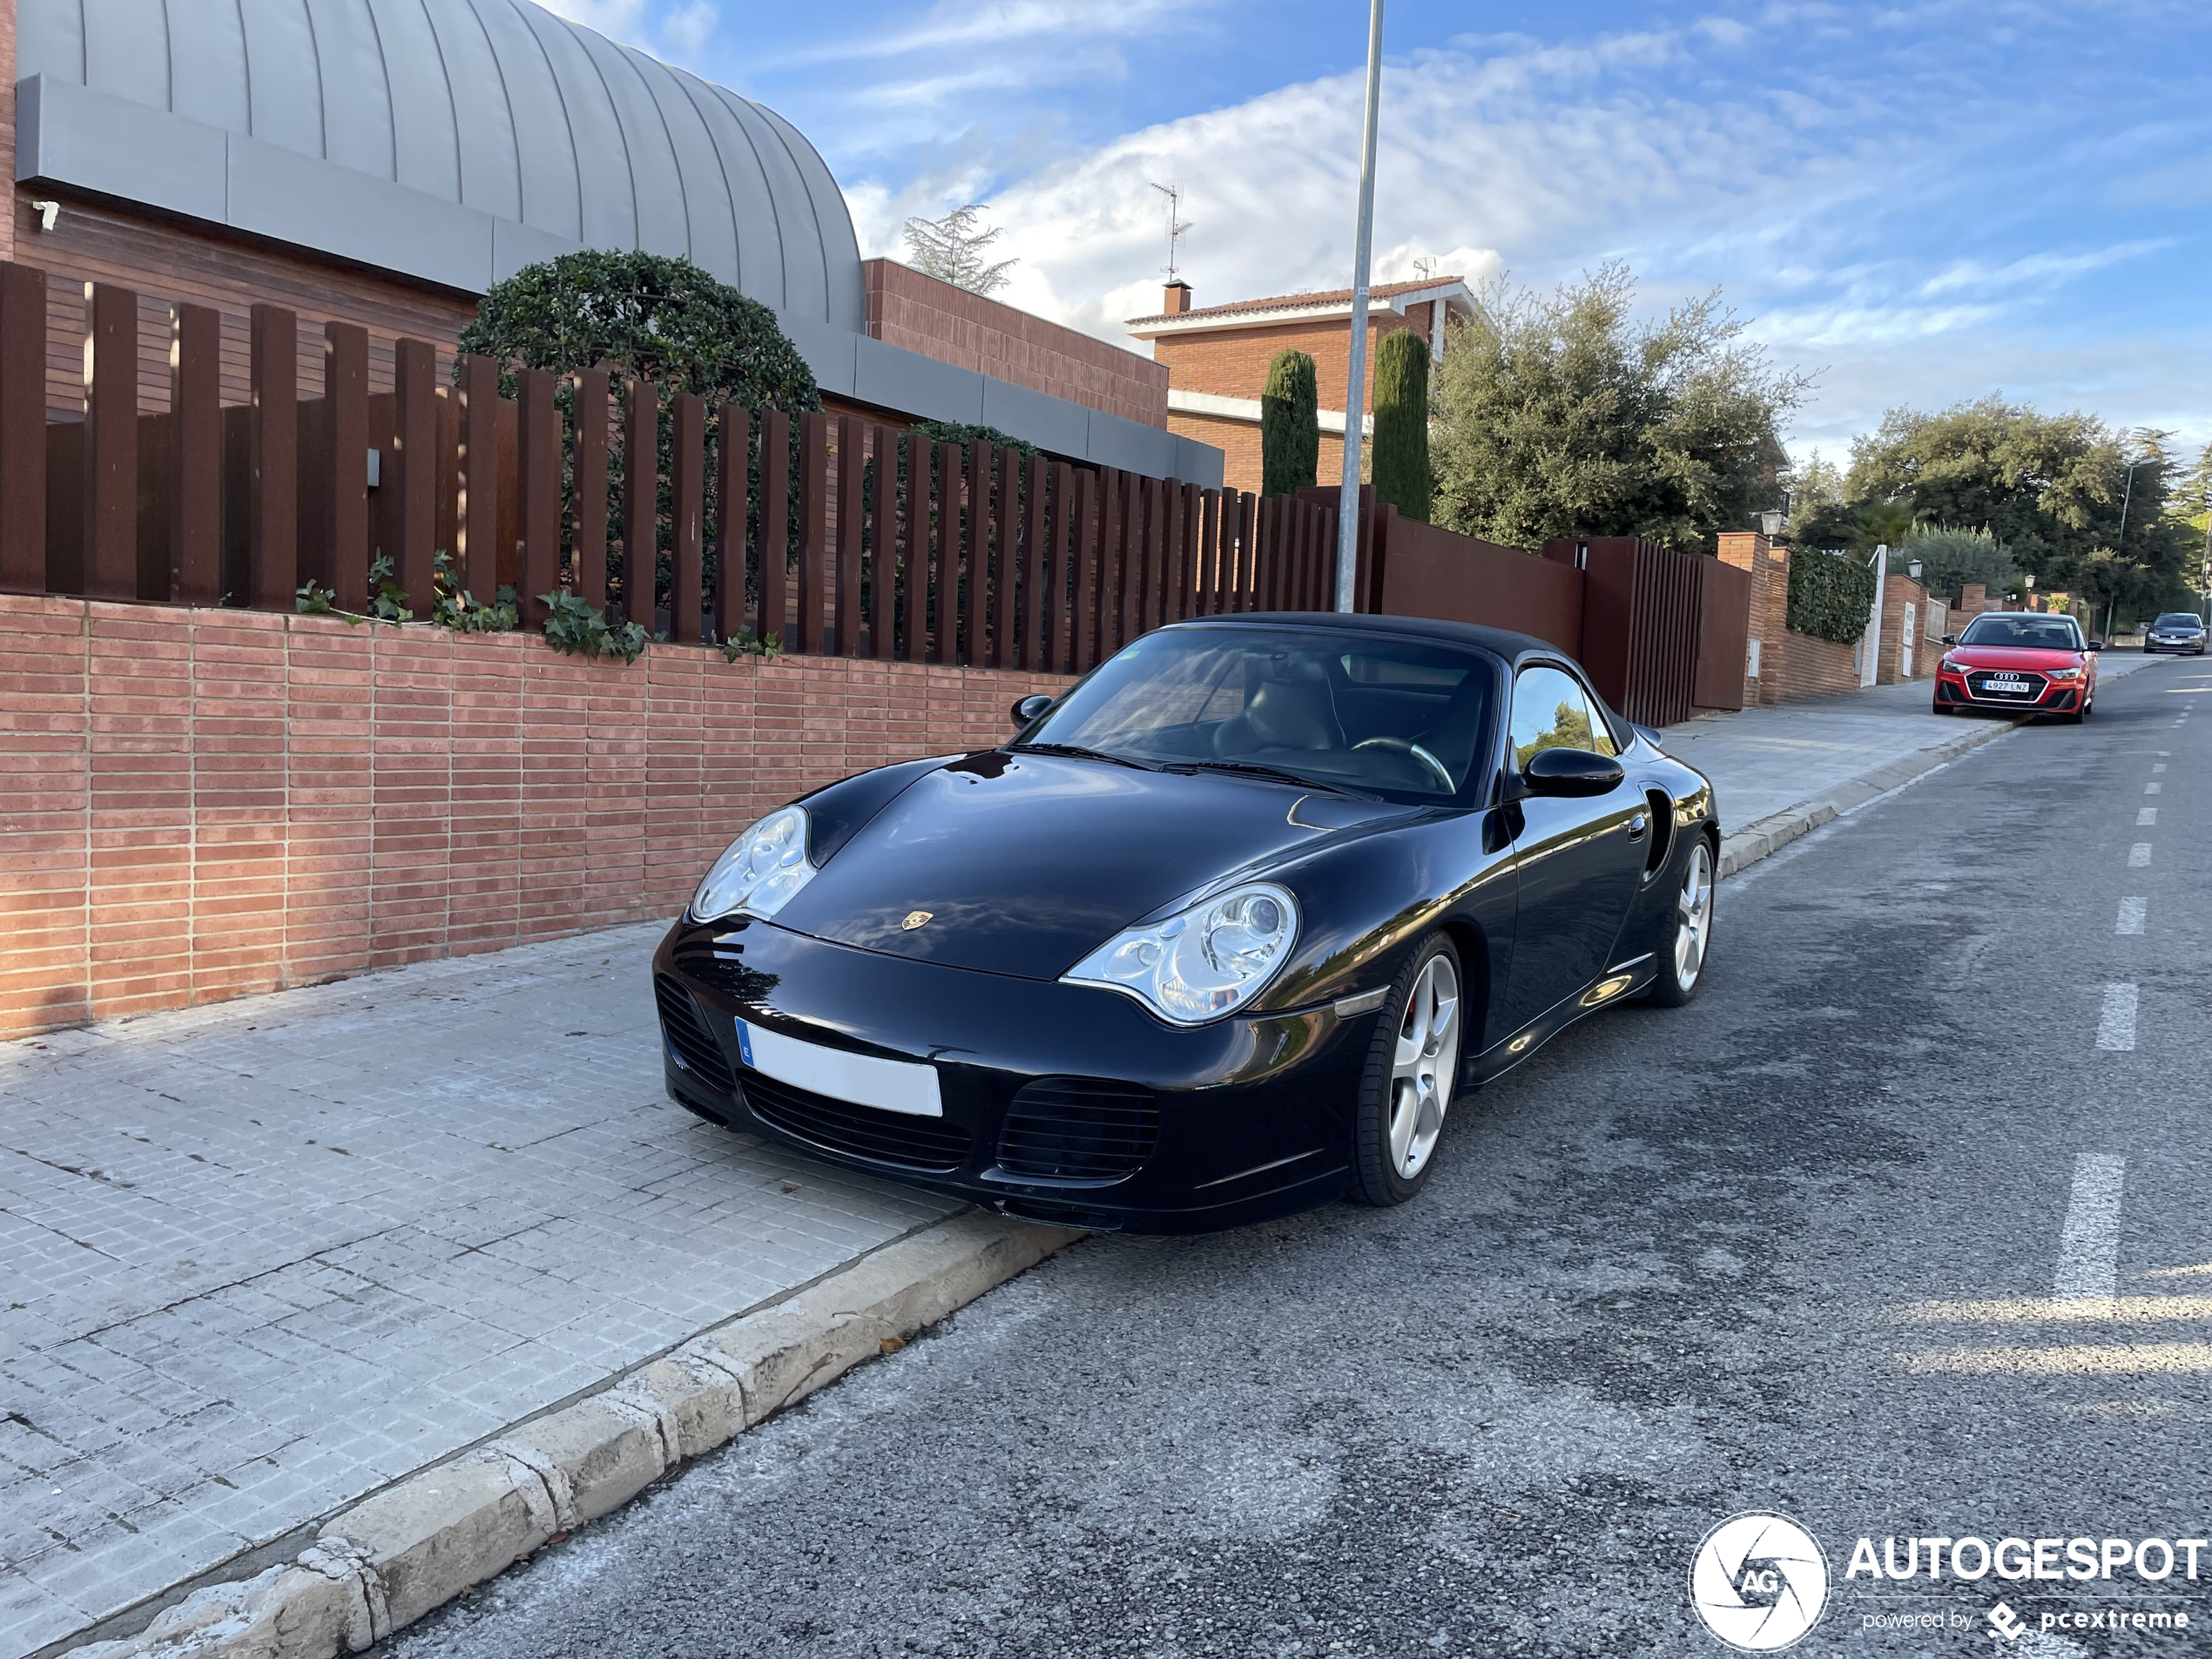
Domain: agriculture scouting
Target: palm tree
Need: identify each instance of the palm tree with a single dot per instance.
(1884, 523)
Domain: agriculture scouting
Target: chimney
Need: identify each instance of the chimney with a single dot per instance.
(1178, 299)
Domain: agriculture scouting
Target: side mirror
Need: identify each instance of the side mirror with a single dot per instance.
(1951, 639)
(2096, 644)
(1571, 773)
(1030, 708)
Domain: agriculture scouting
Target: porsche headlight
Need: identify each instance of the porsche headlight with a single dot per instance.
(1213, 958)
(761, 870)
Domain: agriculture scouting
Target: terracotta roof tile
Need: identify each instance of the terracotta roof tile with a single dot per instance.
(1298, 301)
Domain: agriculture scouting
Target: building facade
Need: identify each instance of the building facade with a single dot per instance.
(378, 163)
(1217, 358)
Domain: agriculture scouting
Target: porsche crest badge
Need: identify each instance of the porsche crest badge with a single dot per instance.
(914, 919)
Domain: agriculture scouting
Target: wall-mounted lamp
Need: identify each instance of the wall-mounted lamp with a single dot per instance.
(48, 213)
(1912, 568)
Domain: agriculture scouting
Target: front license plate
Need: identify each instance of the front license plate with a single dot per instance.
(1997, 683)
(857, 1079)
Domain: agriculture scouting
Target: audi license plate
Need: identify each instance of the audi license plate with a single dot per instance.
(2005, 683)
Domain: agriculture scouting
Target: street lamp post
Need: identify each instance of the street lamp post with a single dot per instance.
(1355, 391)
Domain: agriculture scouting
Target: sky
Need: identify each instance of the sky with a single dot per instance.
(1918, 203)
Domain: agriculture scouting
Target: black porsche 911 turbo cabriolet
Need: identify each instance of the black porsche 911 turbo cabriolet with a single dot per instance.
(1219, 934)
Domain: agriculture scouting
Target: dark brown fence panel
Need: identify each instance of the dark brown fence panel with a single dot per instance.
(23, 429)
(939, 519)
(971, 508)
(344, 530)
(538, 466)
(1083, 548)
(157, 576)
(195, 453)
(773, 567)
(852, 472)
(110, 486)
(1723, 636)
(273, 511)
(640, 502)
(1170, 495)
(1432, 572)
(589, 547)
(732, 494)
(807, 627)
(687, 484)
(408, 499)
(1006, 553)
(1036, 603)
(883, 542)
(475, 549)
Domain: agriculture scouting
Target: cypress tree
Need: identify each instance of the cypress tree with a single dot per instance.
(1290, 426)
(1401, 424)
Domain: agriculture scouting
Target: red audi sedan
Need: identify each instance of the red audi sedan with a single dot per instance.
(2023, 660)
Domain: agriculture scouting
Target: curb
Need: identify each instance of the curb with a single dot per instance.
(1776, 831)
(399, 1552)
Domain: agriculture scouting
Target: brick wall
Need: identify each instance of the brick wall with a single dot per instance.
(937, 319)
(1791, 664)
(199, 803)
(1898, 593)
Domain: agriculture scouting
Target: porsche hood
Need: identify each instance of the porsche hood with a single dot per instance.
(1023, 864)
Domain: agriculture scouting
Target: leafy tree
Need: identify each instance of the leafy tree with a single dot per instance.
(963, 432)
(1812, 485)
(641, 315)
(1560, 415)
(952, 249)
(1401, 424)
(2051, 488)
(1289, 425)
(1950, 559)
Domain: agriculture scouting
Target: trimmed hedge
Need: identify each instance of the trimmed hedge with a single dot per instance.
(1401, 424)
(1830, 597)
(1290, 426)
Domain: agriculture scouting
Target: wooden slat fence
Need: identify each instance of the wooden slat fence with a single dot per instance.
(833, 533)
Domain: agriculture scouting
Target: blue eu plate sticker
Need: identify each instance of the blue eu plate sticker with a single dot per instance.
(744, 1043)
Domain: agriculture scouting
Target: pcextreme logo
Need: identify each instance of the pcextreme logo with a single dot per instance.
(1759, 1581)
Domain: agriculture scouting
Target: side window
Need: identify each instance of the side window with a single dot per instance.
(1550, 710)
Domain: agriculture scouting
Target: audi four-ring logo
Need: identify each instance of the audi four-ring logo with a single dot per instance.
(1758, 1581)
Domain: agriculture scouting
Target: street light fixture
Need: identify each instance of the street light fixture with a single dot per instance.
(1355, 384)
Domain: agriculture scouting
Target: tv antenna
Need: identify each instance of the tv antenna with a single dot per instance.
(1176, 225)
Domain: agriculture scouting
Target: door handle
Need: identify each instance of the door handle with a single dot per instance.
(1637, 825)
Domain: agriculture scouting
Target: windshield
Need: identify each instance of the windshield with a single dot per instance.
(1403, 718)
(2179, 619)
(2025, 633)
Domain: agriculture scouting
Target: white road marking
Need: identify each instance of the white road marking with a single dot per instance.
(2139, 855)
(2148, 815)
(2153, 788)
(2159, 767)
(2131, 912)
(2089, 1243)
(2116, 1025)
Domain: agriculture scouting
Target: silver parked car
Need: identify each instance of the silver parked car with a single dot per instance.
(2176, 630)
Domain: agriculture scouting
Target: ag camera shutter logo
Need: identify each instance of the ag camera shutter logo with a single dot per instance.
(1759, 1581)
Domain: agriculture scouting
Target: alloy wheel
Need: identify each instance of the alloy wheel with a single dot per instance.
(1423, 1066)
(1693, 915)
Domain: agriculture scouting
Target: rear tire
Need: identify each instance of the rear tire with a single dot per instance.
(1689, 942)
(1412, 1066)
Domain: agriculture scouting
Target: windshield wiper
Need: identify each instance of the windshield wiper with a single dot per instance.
(1079, 752)
(1254, 769)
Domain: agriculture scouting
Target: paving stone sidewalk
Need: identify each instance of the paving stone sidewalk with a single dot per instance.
(260, 1260)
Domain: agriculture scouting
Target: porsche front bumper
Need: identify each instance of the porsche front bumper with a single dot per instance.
(1065, 1104)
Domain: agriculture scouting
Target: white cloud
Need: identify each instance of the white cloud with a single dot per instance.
(689, 26)
(1972, 275)
(974, 28)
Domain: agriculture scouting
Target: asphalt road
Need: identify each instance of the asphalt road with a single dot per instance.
(1793, 1248)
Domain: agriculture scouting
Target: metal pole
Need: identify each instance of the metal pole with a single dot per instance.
(1355, 386)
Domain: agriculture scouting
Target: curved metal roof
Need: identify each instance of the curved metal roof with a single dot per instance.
(497, 106)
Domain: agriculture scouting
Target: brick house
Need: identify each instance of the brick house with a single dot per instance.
(1217, 358)
(356, 163)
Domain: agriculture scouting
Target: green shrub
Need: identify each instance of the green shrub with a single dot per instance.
(964, 432)
(572, 624)
(1830, 597)
(1402, 476)
(1290, 426)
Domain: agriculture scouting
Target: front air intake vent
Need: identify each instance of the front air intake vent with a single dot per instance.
(1068, 1128)
(689, 1040)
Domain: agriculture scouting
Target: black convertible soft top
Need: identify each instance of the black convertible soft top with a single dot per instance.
(1501, 642)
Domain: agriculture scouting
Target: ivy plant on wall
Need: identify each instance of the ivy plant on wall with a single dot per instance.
(1831, 595)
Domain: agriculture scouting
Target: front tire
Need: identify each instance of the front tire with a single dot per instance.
(1682, 958)
(1411, 1066)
